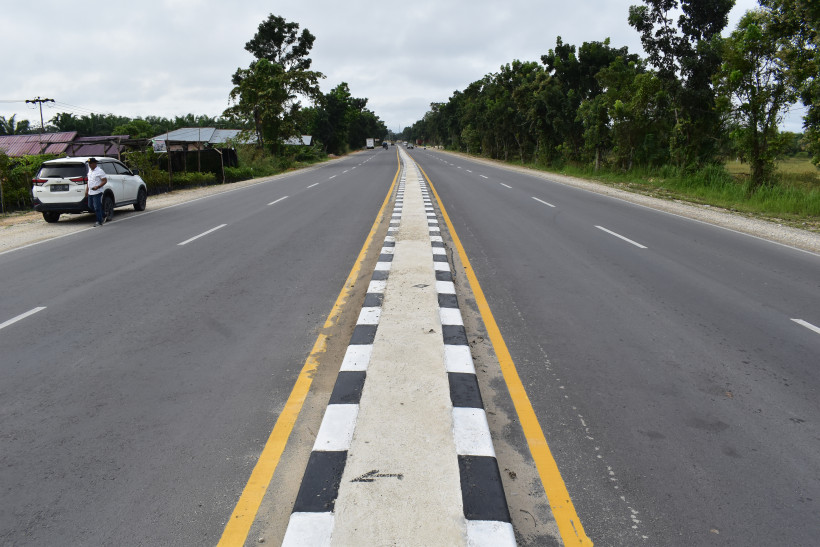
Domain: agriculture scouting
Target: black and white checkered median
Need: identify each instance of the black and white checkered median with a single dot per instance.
(485, 507)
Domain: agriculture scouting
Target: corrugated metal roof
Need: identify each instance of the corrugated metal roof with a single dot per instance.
(97, 146)
(45, 143)
(187, 134)
(207, 135)
(224, 135)
(304, 140)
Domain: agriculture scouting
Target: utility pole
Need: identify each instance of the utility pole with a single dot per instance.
(40, 101)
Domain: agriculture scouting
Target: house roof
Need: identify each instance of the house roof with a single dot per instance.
(304, 140)
(44, 143)
(97, 146)
(199, 134)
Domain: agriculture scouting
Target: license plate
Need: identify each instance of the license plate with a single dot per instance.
(59, 187)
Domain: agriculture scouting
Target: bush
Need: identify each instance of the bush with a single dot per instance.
(194, 178)
(16, 175)
(235, 174)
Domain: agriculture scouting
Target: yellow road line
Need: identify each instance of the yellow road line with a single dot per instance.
(238, 526)
(569, 525)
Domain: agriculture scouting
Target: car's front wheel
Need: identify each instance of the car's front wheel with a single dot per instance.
(142, 199)
(50, 216)
(108, 207)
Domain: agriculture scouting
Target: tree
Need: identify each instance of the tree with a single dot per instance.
(796, 25)
(12, 127)
(278, 41)
(754, 85)
(686, 56)
(333, 117)
(266, 94)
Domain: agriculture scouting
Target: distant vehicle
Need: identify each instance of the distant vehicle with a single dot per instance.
(370, 144)
(384, 145)
(410, 145)
(60, 187)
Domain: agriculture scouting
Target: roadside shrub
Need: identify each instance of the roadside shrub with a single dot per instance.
(146, 162)
(17, 174)
(235, 174)
(191, 179)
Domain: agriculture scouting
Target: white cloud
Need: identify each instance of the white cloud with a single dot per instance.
(173, 57)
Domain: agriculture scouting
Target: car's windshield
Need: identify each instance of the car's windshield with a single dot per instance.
(65, 171)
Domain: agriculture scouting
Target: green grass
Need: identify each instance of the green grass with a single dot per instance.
(794, 200)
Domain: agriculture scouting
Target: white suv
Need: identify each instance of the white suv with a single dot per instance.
(60, 187)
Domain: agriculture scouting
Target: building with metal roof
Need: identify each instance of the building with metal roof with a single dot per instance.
(192, 138)
(29, 145)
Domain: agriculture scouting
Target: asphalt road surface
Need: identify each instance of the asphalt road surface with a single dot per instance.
(674, 366)
(136, 403)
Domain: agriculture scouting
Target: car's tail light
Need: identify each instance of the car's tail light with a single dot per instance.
(39, 182)
(84, 180)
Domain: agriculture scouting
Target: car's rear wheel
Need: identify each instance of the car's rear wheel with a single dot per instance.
(50, 216)
(142, 199)
(108, 207)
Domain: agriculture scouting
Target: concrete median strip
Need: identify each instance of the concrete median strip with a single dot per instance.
(404, 454)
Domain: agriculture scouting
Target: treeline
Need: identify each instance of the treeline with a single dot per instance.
(694, 100)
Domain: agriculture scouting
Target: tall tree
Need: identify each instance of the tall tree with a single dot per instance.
(687, 55)
(267, 93)
(333, 117)
(754, 83)
(280, 43)
(796, 25)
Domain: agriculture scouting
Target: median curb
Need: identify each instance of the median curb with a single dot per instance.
(463, 467)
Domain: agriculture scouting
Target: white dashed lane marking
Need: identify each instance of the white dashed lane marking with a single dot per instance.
(21, 317)
(201, 235)
(619, 236)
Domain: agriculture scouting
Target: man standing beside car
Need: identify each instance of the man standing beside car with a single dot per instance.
(96, 181)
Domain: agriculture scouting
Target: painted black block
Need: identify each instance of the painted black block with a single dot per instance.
(481, 490)
(320, 485)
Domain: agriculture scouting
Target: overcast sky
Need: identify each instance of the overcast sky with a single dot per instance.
(174, 57)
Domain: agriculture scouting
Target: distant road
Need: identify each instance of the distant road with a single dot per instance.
(674, 366)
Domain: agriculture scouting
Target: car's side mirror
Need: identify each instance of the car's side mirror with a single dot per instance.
(135, 172)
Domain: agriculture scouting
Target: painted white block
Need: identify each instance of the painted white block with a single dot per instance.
(450, 316)
(337, 427)
(471, 432)
(458, 359)
(357, 357)
(490, 533)
(445, 287)
(369, 316)
(308, 529)
(377, 286)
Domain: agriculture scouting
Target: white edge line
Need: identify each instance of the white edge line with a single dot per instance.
(621, 237)
(798, 321)
(201, 235)
(544, 202)
(21, 317)
(277, 201)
